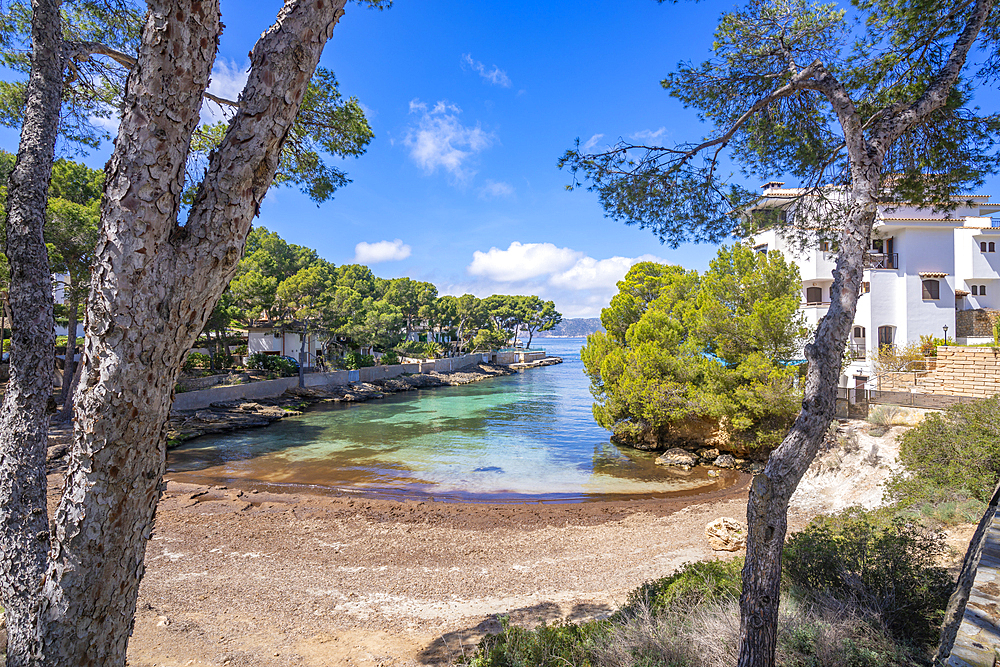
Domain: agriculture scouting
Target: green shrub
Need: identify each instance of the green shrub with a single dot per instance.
(554, 645)
(950, 456)
(352, 361)
(197, 360)
(884, 567)
(390, 358)
(929, 345)
(882, 417)
(419, 350)
(367, 361)
(690, 585)
(272, 364)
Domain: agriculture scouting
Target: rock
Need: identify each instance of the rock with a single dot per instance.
(714, 473)
(725, 534)
(678, 458)
(708, 454)
(724, 461)
(756, 468)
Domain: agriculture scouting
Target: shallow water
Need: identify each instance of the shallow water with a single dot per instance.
(525, 436)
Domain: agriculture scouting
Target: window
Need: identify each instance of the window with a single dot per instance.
(866, 287)
(982, 246)
(814, 294)
(762, 248)
(824, 246)
(859, 332)
(931, 289)
(982, 290)
(885, 335)
(975, 290)
(993, 247)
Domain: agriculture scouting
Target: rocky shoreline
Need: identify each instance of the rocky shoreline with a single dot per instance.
(710, 457)
(228, 416)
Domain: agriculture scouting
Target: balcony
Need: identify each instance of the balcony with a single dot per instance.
(856, 350)
(882, 260)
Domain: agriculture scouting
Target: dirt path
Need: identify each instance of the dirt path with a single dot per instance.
(240, 578)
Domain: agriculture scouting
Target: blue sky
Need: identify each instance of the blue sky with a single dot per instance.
(472, 103)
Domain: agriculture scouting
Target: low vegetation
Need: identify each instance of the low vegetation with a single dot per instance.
(950, 463)
(859, 590)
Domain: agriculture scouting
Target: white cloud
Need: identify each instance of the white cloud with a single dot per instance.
(521, 261)
(440, 140)
(649, 135)
(383, 251)
(494, 189)
(495, 76)
(592, 142)
(590, 273)
(579, 285)
(228, 81)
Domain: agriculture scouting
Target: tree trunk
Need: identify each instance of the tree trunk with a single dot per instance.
(24, 528)
(67, 406)
(70, 367)
(771, 490)
(153, 287)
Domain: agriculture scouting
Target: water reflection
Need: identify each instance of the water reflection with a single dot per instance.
(530, 435)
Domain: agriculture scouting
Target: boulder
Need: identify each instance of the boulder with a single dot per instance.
(708, 454)
(724, 461)
(677, 458)
(725, 534)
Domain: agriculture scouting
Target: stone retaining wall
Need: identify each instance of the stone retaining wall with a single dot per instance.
(976, 323)
(194, 400)
(958, 371)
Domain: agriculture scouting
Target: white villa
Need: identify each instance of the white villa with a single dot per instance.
(923, 269)
(281, 339)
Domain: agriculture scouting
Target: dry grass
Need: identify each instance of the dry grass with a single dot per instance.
(827, 634)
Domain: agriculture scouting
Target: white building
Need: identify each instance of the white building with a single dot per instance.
(281, 339)
(923, 267)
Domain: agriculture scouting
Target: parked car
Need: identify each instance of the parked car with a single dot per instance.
(291, 359)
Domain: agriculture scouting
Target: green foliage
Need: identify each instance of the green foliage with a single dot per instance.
(895, 359)
(197, 360)
(419, 350)
(950, 456)
(886, 567)
(678, 346)
(272, 364)
(489, 339)
(555, 645)
(390, 358)
(929, 345)
(353, 361)
(690, 586)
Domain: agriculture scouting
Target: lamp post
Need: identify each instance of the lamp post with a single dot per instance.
(945, 327)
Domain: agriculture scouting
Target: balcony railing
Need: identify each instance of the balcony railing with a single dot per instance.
(882, 260)
(856, 350)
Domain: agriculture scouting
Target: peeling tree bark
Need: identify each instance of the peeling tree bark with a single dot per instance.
(24, 531)
(153, 287)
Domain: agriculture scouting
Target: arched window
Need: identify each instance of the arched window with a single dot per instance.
(814, 294)
(931, 289)
(975, 290)
(993, 247)
(982, 246)
(859, 332)
(885, 335)
(982, 290)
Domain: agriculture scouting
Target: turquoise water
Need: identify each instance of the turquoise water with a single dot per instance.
(525, 436)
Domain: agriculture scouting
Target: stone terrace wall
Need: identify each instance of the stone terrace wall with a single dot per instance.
(975, 323)
(959, 371)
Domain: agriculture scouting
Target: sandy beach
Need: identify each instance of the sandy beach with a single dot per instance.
(241, 578)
